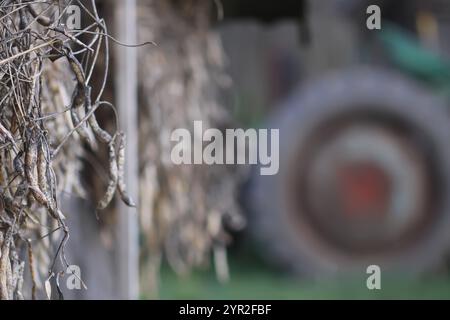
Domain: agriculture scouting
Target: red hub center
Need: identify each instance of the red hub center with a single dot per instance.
(364, 190)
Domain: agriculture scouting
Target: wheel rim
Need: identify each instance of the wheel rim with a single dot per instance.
(365, 186)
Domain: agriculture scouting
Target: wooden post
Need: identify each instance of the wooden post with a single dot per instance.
(126, 100)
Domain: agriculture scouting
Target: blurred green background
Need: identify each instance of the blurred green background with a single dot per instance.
(252, 279)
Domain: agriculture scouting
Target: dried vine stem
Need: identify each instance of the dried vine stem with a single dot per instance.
(37, 134)
(185, 211)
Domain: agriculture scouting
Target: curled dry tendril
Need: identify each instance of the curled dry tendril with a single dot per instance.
(33, 34)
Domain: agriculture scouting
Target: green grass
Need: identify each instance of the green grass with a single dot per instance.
(251, 280)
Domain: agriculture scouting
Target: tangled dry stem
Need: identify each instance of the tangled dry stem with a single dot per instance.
(45, 118)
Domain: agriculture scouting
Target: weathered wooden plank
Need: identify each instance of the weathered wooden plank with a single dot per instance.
(126, 101)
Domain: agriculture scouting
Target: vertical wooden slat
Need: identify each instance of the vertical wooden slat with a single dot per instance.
(126, 100)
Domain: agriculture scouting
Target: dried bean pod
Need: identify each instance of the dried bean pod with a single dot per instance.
(121, 186)
(113, 178)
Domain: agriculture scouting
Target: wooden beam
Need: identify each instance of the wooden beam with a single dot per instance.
(126, 100)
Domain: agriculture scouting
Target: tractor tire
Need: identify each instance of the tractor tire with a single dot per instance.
(405, 129)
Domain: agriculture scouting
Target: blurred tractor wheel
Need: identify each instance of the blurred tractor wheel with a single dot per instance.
(364, 178)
